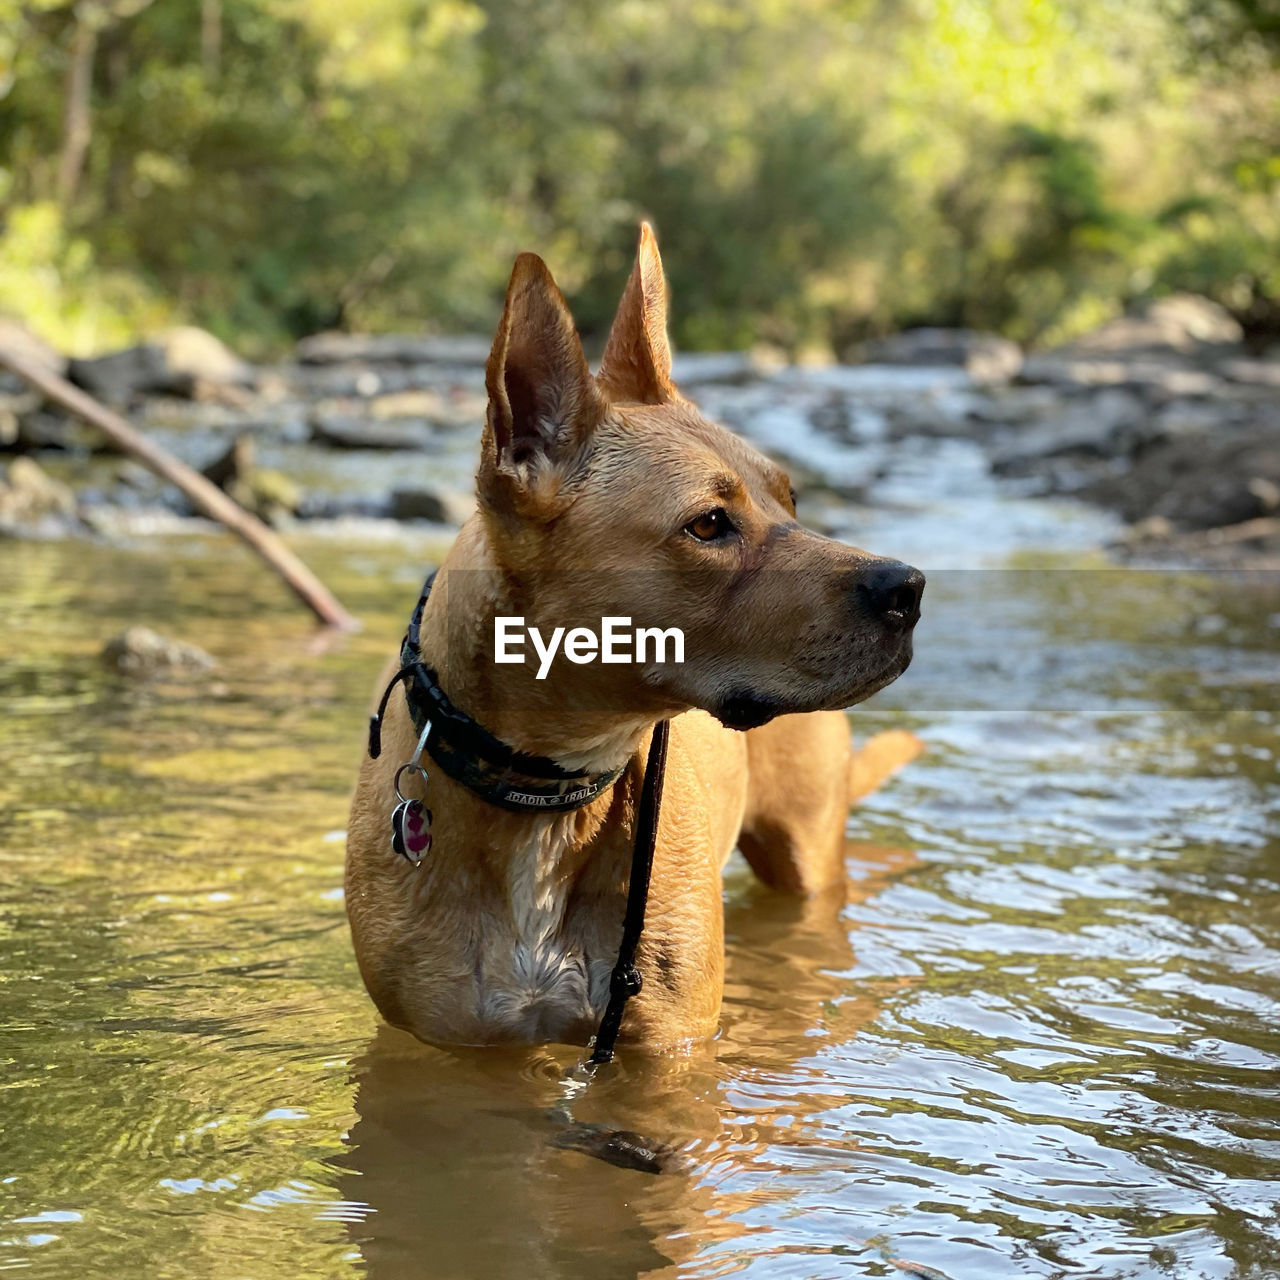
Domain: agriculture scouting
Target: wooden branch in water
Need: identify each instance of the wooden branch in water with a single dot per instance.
(206, 496)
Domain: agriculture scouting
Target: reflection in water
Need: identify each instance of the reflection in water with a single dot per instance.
(493, 1192)
(454, 1158)
(1039, 1036)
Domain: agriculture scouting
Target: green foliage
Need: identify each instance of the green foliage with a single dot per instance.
(817, 169)
(55, 283)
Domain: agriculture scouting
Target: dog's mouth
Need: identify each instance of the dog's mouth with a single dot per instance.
(744, 710)
(749, 709)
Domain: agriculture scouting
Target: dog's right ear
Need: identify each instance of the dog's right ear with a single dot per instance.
(636, 365)
(543, 402)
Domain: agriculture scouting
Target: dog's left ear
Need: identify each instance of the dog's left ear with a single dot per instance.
(543, 402)
(636, 365)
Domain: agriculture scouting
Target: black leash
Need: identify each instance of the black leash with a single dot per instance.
(511, 779)
(625, 981)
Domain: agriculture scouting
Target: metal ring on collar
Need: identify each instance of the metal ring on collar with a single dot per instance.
(400, 772)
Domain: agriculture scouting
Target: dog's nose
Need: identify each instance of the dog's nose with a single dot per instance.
(892, 590)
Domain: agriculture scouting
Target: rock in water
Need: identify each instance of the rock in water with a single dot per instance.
(179, 362)
(394, 348)
(191, 353)
(986, 357)
(15, 412)
(33, 503)
(619, 1147)
(348, 431)
(440, 506)
(139, 651)
(236, 462)
(698, 368)
(270, 494)
(1181, 324)
(1200, 481)
(1110, 424)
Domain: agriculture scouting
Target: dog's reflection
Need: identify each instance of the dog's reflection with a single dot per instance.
(479, 1163)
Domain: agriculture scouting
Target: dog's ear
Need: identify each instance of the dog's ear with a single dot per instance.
(637, 358)
(543, 402)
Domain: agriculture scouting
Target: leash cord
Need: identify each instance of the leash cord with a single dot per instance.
(625, 981)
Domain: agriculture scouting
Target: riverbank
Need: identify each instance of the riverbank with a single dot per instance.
(1163, 419)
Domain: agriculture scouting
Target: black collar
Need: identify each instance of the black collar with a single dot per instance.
(465, 750)
(500, 774)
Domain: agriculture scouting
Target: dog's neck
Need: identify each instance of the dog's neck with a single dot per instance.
(531, 715)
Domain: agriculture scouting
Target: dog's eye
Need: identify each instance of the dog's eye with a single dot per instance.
(710, 525)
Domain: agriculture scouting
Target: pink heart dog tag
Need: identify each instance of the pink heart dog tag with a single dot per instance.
(411, 830)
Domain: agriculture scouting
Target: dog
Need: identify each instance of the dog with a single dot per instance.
(599, 496)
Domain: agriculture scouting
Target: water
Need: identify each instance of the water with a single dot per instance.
(1038, 1036)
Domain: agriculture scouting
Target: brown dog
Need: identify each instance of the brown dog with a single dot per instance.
(612, 496)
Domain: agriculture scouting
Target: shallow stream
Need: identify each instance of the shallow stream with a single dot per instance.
(1039, 1036)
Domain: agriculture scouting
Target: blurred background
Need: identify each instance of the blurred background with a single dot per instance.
(819, 171)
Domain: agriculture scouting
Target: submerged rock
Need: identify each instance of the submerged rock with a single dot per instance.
(139, 651)
(621, 1147)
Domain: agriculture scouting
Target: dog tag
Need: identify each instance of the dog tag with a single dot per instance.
(411, 819)
(411, 830)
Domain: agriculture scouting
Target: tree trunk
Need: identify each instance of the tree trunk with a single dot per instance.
(211, 37)
(77, 120)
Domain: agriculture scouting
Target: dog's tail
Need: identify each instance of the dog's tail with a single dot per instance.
(879, 758)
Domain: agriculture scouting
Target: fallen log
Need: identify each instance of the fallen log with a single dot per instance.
(206, 496)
